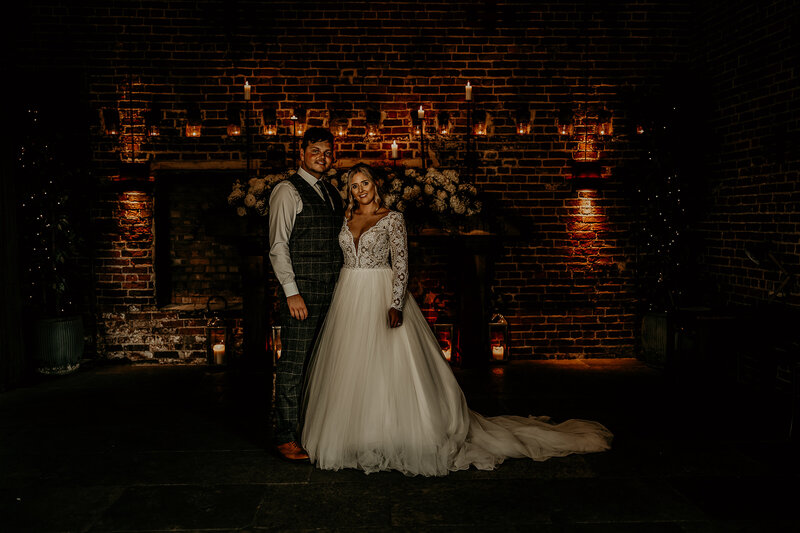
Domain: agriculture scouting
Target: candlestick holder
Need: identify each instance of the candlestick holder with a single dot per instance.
(469, 155)
(422, 143)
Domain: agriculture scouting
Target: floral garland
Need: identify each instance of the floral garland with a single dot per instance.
(415, 193)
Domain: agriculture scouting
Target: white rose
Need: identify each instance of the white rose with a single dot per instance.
(249, 200)
(429, 189)
(241, 211)
(262, 207)
(441, 195)
(236, 196)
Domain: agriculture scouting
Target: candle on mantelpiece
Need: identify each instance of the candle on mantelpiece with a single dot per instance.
(497, 352)
(246, 90)
(420, 112)
(468, 89)
(219, 353)
(394, 150)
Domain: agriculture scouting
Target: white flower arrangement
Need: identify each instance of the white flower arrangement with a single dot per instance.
(253, 197)
(439, 191)
(410, 191)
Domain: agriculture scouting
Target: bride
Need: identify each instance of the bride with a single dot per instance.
(379, 395)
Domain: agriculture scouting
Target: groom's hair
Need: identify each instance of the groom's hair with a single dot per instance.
(315, 135)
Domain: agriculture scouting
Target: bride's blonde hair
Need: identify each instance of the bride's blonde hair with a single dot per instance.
(366, 170)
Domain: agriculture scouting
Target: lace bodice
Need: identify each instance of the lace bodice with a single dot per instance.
(384, 245)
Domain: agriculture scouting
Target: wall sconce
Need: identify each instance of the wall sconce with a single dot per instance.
(498, 339)
(234, 120)
(523, 118)
(565, 119)
(416, 120)
(479, 128)
(298, 119)
(110, 121)
(373, 121)
(339, 127)
(152, 120)
(604, 125)
(269, 119)
(194, 124)
(443, 121)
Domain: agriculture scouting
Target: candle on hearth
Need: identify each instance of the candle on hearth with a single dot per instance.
(420, 112)
(448, 353)
(394, 149)
(219, 353)
(468, 88)
(497, 352)
(246, 90)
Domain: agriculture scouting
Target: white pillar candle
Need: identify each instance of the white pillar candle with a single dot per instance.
(394, 149)
(420, 112)
(447, 352)
(219, 353)
(497, 352)
(246, 90)
(468, 88)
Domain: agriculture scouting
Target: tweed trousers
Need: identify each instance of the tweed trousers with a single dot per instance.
(297, 338)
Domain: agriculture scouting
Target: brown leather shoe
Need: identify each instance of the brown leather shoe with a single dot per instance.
(291, 451)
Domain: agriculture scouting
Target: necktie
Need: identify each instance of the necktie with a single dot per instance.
(321, 185)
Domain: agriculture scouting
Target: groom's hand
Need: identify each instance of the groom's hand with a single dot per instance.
(297, 307)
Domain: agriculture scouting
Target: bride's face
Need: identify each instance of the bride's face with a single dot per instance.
(362, 189)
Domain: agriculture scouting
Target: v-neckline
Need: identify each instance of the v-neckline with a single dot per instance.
(353, 238)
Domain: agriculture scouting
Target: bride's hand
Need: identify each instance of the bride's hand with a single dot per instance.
(395, 318)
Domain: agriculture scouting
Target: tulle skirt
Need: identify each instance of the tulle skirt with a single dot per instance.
(380, 398)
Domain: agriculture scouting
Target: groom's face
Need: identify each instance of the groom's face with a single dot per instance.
(317, 158)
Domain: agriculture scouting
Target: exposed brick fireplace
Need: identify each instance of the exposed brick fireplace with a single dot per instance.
(562, 262)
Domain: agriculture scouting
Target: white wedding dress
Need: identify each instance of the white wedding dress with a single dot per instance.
(378, 398)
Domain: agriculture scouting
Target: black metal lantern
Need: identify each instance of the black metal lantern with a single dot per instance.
(445, 334)
(498, 339)
(277, 346)
(217, 334)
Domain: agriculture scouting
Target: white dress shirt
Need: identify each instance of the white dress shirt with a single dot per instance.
(284, 205)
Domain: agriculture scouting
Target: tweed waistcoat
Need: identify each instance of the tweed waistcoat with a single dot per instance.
(314, 243)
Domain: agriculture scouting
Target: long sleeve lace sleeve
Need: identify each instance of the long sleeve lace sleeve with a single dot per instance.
(398, 247)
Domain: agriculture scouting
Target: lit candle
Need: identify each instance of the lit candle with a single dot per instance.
(394, 150)
(246, 90)
(219, 353)
(468, 88)
(497, 352)
(420, 112)
(447, 352)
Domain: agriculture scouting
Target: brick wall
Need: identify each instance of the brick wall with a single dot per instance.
(754, 186)
(566, 270)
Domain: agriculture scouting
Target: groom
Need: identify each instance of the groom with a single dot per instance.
(304, 221)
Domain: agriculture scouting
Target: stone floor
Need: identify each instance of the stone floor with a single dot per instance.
(144, 448)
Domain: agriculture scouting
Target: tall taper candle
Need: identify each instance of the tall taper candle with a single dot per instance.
(420, 112)
(246, 90)
(394, 149)
(468, 88)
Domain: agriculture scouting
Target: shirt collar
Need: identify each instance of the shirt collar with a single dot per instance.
(311, 180)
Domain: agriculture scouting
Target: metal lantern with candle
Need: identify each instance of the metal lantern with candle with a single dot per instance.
(445, 335)
(498, 339)
(277, 346)
(217, 333)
